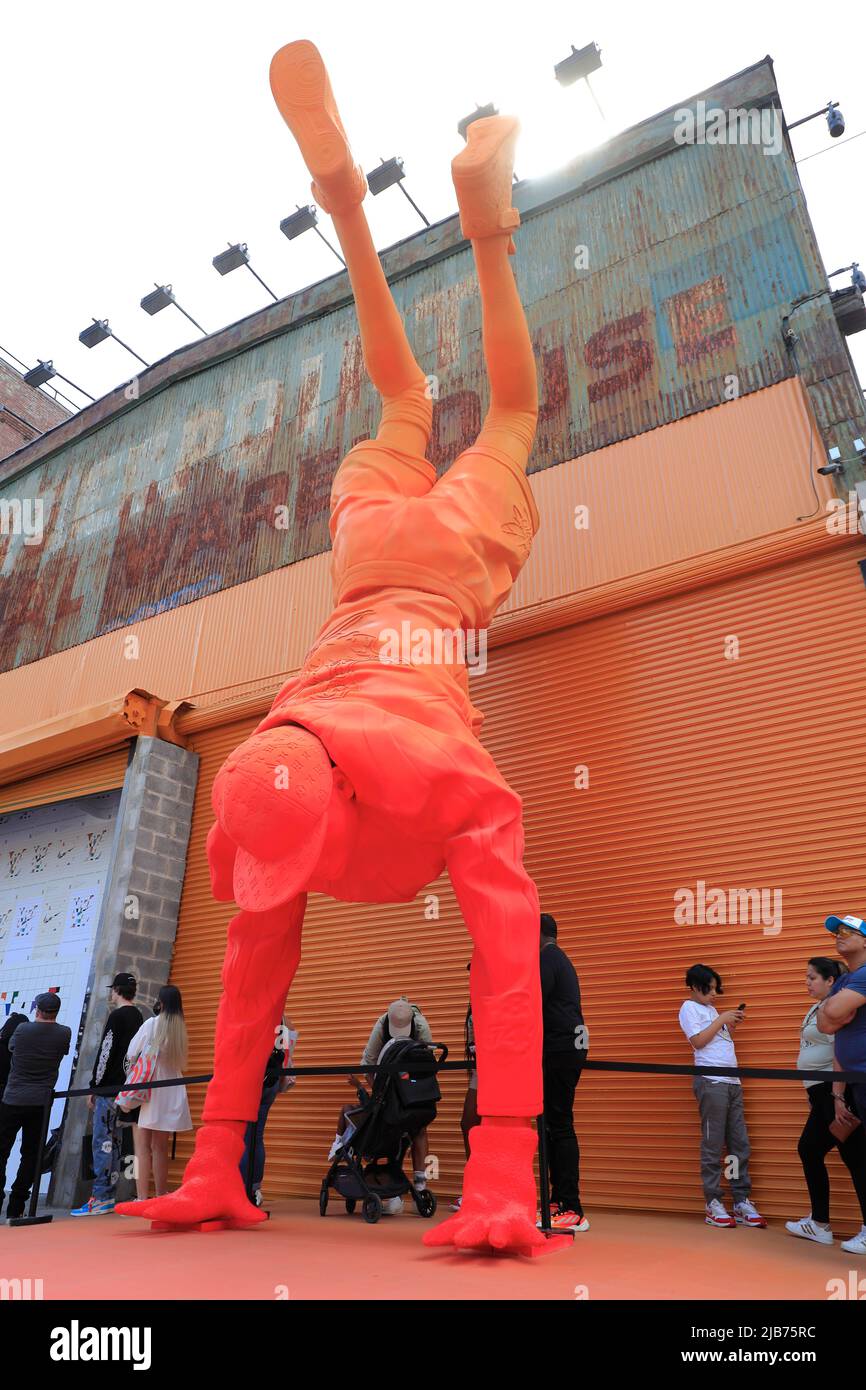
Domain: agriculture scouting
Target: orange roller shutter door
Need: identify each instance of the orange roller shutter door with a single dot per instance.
(739, 769)
(98, 774)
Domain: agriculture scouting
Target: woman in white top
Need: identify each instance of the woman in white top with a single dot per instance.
(167, 1111)
(816, 1141)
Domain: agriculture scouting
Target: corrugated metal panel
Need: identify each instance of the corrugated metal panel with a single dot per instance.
(77, 779)
(700, 769)
(690, 495)
(691, 262)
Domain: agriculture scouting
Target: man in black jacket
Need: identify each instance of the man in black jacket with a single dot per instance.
(121, 1026)
(37, 1049)
(565, 1048)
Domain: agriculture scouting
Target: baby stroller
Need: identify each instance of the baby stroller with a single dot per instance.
(368, 1166)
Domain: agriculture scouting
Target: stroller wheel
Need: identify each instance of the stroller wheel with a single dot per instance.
(323, 1197)
(372, 1208)
(350, 1205)
(425, 1202)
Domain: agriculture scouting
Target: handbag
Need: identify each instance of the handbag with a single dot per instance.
(142, 1069)
(844, 1128)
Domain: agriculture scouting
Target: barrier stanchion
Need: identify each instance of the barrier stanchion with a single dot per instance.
(252, 1128)
(543, 1173)
(544, 1184)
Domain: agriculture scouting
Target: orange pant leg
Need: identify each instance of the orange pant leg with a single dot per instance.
(262, 955)
(500, 906)
(407, 409)
(511, 419)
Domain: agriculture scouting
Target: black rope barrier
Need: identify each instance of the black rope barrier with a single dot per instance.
(848, 1078)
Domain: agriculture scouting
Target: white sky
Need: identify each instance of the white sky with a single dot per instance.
(138, 139)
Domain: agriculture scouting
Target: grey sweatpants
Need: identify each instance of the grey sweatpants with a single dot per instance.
(723, 1135)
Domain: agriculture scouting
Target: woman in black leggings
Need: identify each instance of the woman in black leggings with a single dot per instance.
(816, 1141)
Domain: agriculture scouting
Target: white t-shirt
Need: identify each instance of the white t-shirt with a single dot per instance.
(694, 1018)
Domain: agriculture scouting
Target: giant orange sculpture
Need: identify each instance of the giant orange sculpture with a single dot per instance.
(367, 778)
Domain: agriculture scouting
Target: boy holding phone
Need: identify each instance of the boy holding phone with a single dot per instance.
(720, 1100)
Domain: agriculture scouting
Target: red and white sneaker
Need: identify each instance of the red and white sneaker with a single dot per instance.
(716, 1215)
(568, 1221)
(746, 1214)
(565, 1221)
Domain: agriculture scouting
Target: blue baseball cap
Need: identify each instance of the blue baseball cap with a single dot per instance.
(855, 923)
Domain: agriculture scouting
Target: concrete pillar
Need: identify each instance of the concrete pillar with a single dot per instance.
(138, 921)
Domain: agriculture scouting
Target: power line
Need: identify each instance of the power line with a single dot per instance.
(834, 146)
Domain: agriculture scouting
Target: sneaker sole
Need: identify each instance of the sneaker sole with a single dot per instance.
(804, 1235)
(302, 91)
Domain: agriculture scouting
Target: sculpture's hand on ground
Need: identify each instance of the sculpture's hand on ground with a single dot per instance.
(212, 1194)
(498, 1208)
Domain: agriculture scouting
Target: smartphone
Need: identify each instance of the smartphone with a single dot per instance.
(741, 1006)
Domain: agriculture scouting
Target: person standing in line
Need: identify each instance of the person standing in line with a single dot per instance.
(276, 1081)
(166, 1112)
(720, 1099)
(36, 1049)
(564, 1053)
(121, 1026)
(817, 1139)
(843, 1015)
(402, 1019)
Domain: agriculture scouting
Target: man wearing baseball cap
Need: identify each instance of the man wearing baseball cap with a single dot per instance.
(37, 1049)
(401, 1019)
(843, 1013)
(121, 1026)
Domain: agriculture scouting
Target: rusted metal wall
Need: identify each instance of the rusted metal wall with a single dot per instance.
(691, 257)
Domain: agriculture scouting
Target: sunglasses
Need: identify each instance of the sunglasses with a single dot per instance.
(848, 931)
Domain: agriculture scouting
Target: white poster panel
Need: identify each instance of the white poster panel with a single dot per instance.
(54, 864)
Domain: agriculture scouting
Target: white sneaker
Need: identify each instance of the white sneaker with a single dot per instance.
(456, 1205)
(392, 1206)
(810, 1230)
(717, 1215)
(857, 1244)
(341, 1141)
(747, 1214)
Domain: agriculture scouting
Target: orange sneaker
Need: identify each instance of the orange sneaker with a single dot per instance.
(306, 103)
(482, 175)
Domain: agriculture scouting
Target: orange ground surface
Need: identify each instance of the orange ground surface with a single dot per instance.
(303, 1256)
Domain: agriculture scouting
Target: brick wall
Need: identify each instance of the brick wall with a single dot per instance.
(25, 402)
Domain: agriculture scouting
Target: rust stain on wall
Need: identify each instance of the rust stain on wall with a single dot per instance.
(684, 287)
